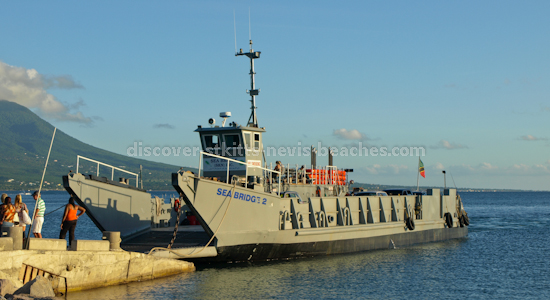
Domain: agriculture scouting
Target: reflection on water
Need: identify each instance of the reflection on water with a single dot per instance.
(344, 276)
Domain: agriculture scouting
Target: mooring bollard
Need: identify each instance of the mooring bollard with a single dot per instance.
(16, 233)
(114, 239)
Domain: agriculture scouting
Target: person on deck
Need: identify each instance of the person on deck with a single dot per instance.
(278, 168)
(68, 223)
(38, 215)
(302, 174)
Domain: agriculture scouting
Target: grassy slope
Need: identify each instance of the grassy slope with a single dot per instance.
(24, 143)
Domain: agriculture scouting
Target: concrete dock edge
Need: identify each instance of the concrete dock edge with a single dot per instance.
(90, 269)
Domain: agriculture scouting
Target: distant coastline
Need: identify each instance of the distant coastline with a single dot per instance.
(368, 186)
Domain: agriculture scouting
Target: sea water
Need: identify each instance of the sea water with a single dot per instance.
(505, 255)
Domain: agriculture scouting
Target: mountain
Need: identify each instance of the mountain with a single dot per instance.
(24, 142)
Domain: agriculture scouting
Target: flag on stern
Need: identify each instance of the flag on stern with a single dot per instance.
(421, 168)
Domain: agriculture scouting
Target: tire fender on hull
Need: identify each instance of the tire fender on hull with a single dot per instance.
(449, 220)
(410, 223)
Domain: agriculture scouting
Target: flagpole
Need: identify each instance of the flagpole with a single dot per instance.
(418, 175)
(39, 190)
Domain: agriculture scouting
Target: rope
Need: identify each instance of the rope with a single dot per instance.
(213, 236)
(175, 227)
(55, 209)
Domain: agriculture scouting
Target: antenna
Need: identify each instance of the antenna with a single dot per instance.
(235, 30)
(225, 115)
(253, 92)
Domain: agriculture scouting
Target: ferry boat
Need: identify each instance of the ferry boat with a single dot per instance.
(250, 212)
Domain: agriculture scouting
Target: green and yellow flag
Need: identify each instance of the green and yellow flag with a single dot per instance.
(421, 168)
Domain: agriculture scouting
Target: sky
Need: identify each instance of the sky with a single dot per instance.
(467, 81)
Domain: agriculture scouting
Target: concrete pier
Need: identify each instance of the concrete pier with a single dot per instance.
(90, 264)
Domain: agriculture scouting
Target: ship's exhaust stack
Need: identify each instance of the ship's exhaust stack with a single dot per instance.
(313, 157)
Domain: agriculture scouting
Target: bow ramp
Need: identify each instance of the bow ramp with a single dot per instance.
(144, 221)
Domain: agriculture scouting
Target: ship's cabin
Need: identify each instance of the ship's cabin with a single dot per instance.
(240, 145)
(235, 150)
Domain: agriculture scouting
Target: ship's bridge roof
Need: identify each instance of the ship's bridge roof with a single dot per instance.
(229, 128)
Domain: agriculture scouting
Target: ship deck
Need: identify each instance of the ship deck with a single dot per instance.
(186, 237)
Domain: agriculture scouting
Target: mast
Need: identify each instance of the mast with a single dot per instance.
(253, 92)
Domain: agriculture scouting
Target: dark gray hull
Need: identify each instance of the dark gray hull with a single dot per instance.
(263, 252)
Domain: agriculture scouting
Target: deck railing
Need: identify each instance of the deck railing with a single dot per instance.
(229, 160)
(113, 168)
(327, 175)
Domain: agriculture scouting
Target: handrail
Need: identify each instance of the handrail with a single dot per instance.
(237, 161)
(113, 168)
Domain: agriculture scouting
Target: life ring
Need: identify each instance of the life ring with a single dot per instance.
(449, 220)
(410, 223)
(177, 205)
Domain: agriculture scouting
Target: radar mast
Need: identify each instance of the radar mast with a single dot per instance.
(253, 92)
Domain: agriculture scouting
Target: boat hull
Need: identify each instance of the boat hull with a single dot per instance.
(264, 252)
(291, 227)
(117, 207)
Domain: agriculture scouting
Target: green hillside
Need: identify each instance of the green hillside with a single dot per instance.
(24, 142)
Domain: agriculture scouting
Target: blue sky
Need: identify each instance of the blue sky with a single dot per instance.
(466, 80)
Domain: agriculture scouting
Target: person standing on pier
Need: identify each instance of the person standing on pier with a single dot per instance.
(4, 196)
(69, 220)
(7, 216)
(22, 211)
(38, 215)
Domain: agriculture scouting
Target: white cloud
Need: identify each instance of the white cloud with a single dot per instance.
(27, 87)
(487, 166)
(439, 166)
(353, 134)
(532, 138)
(448, 145)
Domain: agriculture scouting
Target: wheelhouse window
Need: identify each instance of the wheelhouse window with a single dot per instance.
(247, 140)
(256, 141)
(211, 141)
(232, 140)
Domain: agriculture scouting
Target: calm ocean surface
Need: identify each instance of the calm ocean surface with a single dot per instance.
(506, 255)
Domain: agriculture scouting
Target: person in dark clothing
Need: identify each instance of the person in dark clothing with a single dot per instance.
(69, 219)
